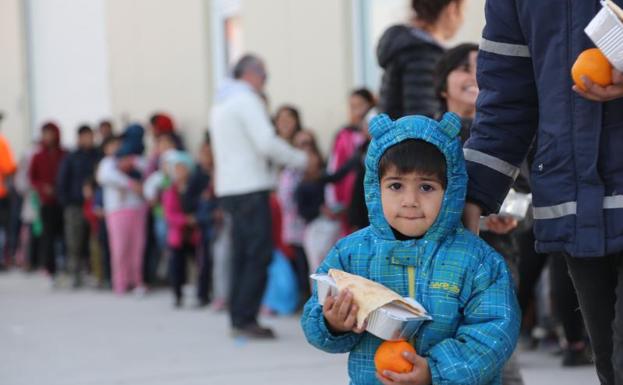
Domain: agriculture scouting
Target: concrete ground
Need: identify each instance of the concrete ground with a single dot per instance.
(89, 337)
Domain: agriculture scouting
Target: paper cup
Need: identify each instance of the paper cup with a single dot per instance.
(606, 31)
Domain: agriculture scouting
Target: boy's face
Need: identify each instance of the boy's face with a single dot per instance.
(411, 202)
(86, 140)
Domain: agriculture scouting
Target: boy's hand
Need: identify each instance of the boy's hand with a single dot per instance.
(420, 375)
(341, 313)
(500, 224)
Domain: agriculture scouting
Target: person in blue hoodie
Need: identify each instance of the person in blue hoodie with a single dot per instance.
(416, 245)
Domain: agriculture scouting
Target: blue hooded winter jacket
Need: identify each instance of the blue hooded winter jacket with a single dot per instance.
(524, 63)
(462, 282)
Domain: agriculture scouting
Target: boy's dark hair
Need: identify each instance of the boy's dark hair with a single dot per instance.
(415, 155)
(429, 10)
(84, 129)
(365, 94)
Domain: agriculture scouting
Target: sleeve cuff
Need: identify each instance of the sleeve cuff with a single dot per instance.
(434, 371)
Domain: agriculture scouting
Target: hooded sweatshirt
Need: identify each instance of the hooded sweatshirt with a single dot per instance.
(7, 165)
(245, 142)
(45, 166)
(408, 56)
(462, 282)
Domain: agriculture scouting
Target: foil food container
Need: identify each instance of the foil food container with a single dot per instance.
(391, 322)
(325, 286)
(606, 31)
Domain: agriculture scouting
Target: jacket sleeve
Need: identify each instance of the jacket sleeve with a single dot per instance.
(7, 162)
(152, 186)
(172, 212)
(34, 175)
(506, 111)
(313, 322)
(488, 333)
(63, 181)
(263, 136)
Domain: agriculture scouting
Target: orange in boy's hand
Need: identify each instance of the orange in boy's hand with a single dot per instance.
(594, 65)
(389, 357)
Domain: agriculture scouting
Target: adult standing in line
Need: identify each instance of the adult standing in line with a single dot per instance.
(526, 94)
(245, 144)
(408, 54)
(42, 173)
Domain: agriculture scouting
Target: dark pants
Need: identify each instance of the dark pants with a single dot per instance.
(204, 282)
(76, 235)
(599, 284)
(34, 244)
(5, 215)
(52, 218)
(102, 237)
(564, 298)
(253, 249)
(15, 222)
(178, 268)
(151, 253)
(301, 268)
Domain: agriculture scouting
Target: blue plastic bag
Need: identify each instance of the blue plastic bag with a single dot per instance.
(281, 295)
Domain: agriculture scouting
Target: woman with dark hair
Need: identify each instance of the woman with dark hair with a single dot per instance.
(408, 53)
(455, 83)
(287, 121)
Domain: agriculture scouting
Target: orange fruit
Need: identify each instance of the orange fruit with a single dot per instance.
(388, 356)
(594, 65)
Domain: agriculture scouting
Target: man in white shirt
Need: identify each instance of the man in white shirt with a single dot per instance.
(245, 145)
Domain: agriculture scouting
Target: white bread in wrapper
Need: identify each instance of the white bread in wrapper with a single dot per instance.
(369, 295)
(606, 31)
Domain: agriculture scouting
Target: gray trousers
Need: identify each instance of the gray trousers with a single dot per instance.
(75, 231)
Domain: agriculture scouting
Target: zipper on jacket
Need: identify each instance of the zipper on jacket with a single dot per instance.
(411, 278)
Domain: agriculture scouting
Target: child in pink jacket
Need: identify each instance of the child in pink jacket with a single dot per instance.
(182, 230)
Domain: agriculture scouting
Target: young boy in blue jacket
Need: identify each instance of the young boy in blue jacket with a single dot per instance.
(416, 245)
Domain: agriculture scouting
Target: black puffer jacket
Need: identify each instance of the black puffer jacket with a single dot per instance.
(408, 56)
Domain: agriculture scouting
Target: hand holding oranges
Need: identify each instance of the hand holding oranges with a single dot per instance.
(595, 78)
(397, 362)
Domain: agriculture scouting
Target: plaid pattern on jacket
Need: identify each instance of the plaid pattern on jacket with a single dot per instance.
(462, 282)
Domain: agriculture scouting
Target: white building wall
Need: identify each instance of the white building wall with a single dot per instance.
(13, 73)
(159, 60)
(307, 48)
(69, 63)
(158, 56)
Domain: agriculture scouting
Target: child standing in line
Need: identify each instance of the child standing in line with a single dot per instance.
(126, 211)
(182, 231)
(417, 246)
